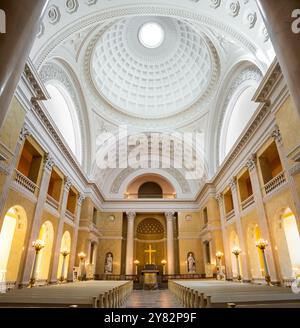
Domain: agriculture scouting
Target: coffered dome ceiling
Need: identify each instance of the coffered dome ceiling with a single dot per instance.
(152, 82)
(154, 66)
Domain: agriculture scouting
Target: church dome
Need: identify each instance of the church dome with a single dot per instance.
(151, 66)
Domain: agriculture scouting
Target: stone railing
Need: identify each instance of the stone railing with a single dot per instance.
(230, 215)
(52, 202)
(25, 182)
(247, 202)
(276, 182)
(70, 215)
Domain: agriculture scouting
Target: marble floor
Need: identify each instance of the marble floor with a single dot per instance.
(152, 299)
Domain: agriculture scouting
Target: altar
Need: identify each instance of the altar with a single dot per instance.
(150, 272)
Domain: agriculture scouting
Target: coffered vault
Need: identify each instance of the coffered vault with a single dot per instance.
(211, 55)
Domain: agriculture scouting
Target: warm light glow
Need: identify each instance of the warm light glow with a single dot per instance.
(136, 262)
(262, 244)
(151, 35)
(38, 244)
(65, 252)
(236, 251)
(82, 256)
(163, 262)
(219, 255)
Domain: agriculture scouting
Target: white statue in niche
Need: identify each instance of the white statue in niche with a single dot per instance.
(191, 263)
(108, 266)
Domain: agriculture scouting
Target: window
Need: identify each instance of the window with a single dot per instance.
(62, 111)
(205, 216)
(150, 190)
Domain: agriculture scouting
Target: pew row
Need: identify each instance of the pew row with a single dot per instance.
(219, 294)
(89, 294)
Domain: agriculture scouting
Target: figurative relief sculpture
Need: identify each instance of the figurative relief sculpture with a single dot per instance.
(108, 266)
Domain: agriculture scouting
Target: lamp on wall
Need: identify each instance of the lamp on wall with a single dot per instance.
(38, 245)
(262, 244)
(237, 251)
(64, 252)
(164, 262)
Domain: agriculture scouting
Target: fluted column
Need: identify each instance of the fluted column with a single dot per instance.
(170, 217)
(239, 227)
(10, 173)
(73, 254)
(22, 24)
(130, 242)
(261, 213)
(60, 228)
(286, 167)
(227, 251)
(279, 22)
(37, 218)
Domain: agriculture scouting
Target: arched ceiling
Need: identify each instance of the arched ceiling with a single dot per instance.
(181, 85)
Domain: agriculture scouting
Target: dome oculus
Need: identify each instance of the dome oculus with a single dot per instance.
(151, 35)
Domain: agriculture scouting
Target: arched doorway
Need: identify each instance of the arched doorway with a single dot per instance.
(47, 235)
(288, 244)
(65, 246)
(12, 237)
(254, 254)
(234, 242)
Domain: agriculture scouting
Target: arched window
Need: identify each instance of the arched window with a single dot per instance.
(150, 190)
(62, 111)
(238, 113)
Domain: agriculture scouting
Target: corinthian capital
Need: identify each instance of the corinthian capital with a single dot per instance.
(131, 215)
(81, 198)
(25, 132)
(170, 215)
(232, 184)
(219, 198)
(48, 162)
(277, 135)
(251, 163)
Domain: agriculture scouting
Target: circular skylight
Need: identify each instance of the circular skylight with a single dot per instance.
(151, 35)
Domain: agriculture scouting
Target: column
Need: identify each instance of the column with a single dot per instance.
(285, 164)
(22, 24)
(170, 216)
(11, 170)
(278, 19)
(130, 242)
(261, 213)
(73, 254)
(59, 232)
(227, 251)
(37, 218)
(245, 268)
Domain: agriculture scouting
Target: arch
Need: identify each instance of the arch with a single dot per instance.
(234, 242)
(43, 263)
(150, 229)
(12, 238)
(288, 243)
(150, 190)
(65, 246)
(150, 186)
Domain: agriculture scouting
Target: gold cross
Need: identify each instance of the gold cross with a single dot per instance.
(150, 251)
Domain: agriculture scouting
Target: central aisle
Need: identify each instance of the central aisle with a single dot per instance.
(152, 299)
